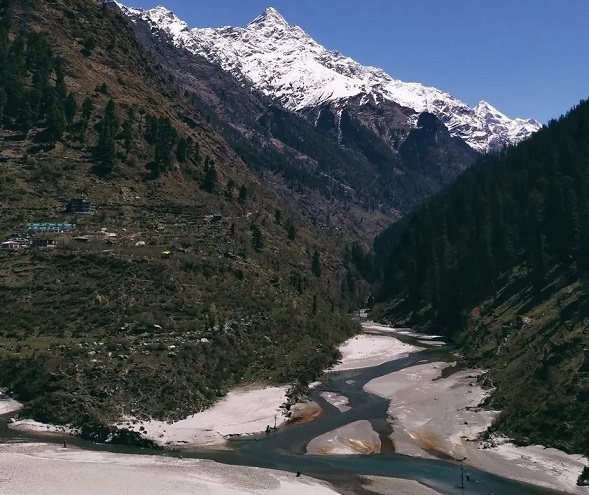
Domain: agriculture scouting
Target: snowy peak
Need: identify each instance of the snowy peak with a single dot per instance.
(270, 17)
(486, 110)
(285, 63)
(159, 17)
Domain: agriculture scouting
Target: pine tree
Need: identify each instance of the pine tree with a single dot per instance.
(257, 238)
(3, 101)
(182, 150)
(242, 198)
(70, 109)
(87, 110)
(55, 121)
(127, 134)
(165, 139)
(209, 182)
(291, 230)
(106, 148)
(316, 264)
(229, 188)
(26, 117)
(60, 87)
(151, 128)
(195, 152)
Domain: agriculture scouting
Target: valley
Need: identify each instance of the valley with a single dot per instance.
(191, 219)
(373, 360)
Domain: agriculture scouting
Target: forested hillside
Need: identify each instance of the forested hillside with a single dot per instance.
(499, 262)
(187, 276)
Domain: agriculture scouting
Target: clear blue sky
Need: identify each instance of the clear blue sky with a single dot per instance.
(528, 58)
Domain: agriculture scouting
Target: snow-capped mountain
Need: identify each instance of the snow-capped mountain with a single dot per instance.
(286, 64)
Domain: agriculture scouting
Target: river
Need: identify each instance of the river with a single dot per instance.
(285, 448)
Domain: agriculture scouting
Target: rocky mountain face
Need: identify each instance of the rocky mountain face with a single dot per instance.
(287, 65)
(343, 157)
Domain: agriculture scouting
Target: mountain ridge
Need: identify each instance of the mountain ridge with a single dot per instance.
(341, 162)
(284, 62)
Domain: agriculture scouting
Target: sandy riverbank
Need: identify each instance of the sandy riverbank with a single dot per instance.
(37, 428)
(365, 351)
(442, 415)
(241, 412)
(8, 405)
(373, 327)
(39, 469)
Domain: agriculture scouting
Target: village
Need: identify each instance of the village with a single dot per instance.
(81, 232)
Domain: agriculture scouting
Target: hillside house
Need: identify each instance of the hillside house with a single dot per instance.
(44, 243)
(51, 227)
(16, 243)
(10, 245)
(80, 206)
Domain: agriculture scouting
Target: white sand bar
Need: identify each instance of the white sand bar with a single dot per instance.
(437, 414)
(241, 412)
(40, 469)
(394, 486)
(365, 351)
(35, 427)
(431, 413)
(352, 439)
(377, 327)
(535, 464)
(431, 343)
(338, 401)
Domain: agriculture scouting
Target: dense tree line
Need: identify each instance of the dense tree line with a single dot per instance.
(32, 84)
(34, 95)
(528, 206)
(169, 145)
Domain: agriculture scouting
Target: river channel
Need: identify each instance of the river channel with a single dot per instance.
(285, 448)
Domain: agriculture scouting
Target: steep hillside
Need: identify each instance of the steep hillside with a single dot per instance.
(190, 276)
(499, 263)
